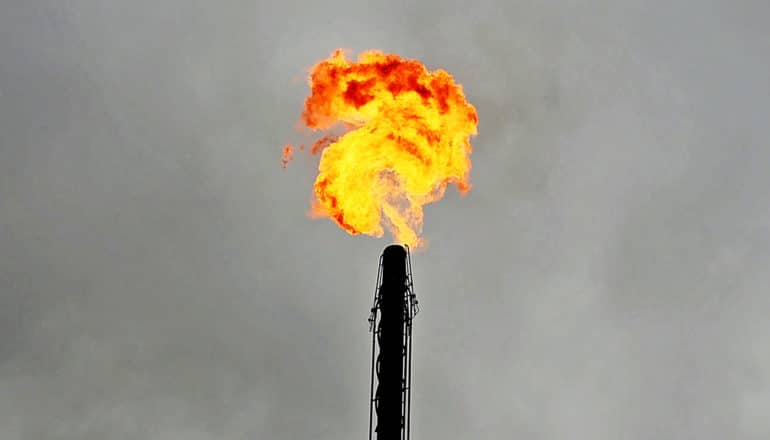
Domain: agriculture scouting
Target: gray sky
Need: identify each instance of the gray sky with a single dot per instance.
(605, 278)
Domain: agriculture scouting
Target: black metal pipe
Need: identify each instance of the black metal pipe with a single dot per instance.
(392, 329)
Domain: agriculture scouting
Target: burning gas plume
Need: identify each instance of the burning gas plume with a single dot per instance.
(406, 138)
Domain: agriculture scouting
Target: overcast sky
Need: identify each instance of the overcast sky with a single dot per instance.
(606, 278)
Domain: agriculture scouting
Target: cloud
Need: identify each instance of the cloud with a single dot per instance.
(604, 278)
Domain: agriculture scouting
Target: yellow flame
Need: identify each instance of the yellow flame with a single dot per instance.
(407, 139)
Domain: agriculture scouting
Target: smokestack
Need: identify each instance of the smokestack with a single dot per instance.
(390, 321)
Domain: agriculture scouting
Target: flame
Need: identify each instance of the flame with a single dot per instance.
(287, 156)
(406, 139)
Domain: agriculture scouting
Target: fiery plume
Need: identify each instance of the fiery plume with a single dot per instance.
(406, 138)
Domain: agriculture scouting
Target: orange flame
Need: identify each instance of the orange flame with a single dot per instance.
(287, 156)
(407, 138)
